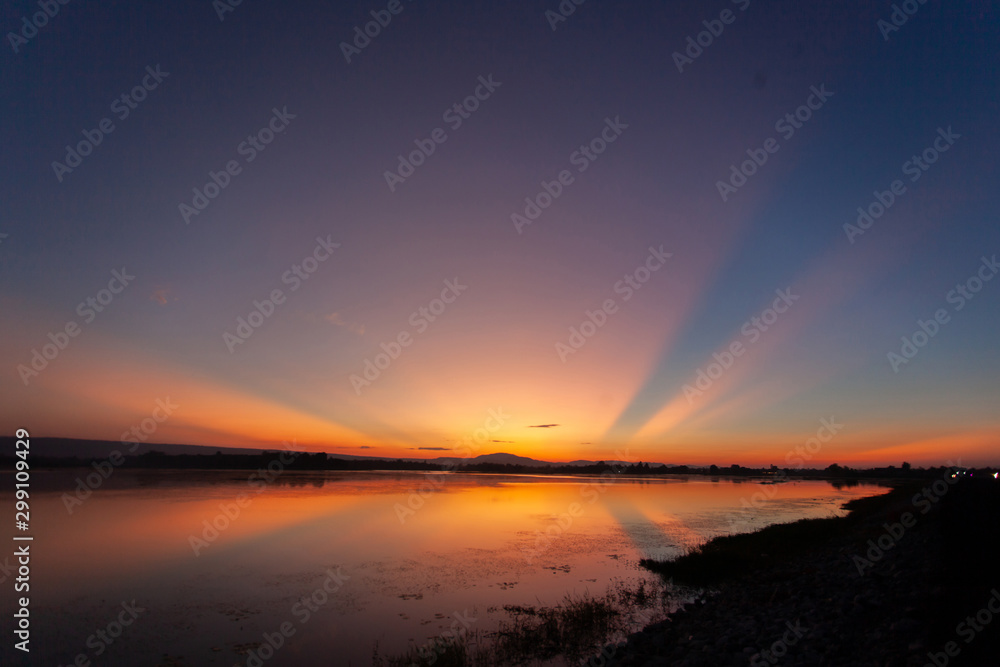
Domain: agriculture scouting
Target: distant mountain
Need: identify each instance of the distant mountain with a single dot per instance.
(73, 447)
(502, 459)
(513, 459)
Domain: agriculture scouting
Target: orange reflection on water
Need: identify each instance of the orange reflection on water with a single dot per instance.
(411, 546)
(137, 531)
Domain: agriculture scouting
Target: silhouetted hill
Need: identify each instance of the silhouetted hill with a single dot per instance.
(74, 448)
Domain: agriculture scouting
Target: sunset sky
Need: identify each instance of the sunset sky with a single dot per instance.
(673, 266)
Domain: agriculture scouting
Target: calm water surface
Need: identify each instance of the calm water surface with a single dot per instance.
(410, 551)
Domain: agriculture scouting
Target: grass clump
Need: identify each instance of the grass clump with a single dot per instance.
(440, 652)
(574, 629)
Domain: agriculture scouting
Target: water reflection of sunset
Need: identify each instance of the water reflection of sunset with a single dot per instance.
(361, 517)
(470, 539)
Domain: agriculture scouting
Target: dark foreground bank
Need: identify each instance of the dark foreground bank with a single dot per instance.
(910, 578)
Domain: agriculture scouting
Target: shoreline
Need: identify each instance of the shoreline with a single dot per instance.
(888, 584)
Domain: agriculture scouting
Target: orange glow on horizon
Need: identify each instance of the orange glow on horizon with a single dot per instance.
(102, 387)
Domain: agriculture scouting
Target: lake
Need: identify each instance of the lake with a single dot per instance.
(331, 565)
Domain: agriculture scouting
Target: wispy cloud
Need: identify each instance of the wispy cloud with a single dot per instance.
(544, 426)
(338, 320)
(163, 296)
